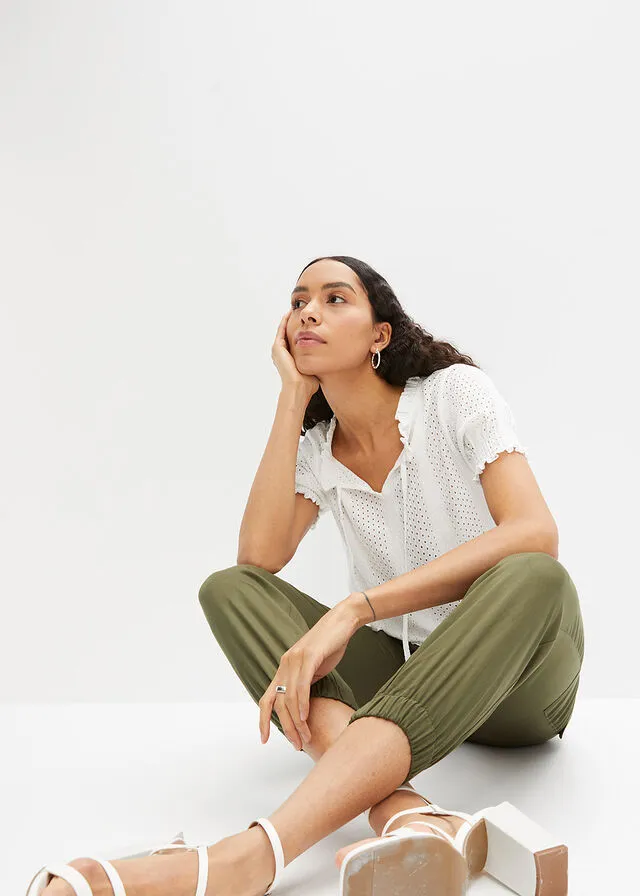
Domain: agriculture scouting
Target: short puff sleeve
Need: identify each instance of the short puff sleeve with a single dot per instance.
(306, 480)
(479, 418)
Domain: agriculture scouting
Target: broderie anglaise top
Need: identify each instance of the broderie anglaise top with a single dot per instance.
(451, 424)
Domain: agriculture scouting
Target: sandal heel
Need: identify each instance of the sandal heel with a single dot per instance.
(520, 853)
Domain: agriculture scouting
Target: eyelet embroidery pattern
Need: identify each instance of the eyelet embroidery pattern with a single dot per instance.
(451, 423)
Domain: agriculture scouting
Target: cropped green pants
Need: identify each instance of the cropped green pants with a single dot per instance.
(502, 669)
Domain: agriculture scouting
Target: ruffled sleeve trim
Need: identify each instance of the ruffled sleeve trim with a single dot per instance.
(301, 489)
(521, 449)
(306, 491)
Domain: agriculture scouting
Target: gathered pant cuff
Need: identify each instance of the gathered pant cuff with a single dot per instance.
(414, 720)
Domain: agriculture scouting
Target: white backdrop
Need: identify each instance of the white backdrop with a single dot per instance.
(166, 171)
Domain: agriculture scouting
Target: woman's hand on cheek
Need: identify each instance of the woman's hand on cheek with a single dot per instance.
(285, 362)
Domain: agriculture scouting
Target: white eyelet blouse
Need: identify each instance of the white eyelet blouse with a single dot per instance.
(451, 424)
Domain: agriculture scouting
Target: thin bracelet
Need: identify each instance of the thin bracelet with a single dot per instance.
(369, 602)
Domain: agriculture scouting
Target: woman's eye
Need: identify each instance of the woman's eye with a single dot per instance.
(332, 296)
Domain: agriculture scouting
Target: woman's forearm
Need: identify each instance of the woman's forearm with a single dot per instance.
(265, 531)
(449, 576)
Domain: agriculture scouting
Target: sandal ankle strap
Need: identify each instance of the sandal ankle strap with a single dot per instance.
(276, 845)
(429, 810)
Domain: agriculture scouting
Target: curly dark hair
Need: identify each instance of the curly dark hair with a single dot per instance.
(412, 351)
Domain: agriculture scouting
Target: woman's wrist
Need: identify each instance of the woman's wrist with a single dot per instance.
(295, 392)
(358, 609)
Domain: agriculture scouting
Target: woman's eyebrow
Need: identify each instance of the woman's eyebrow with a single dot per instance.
(336, 285)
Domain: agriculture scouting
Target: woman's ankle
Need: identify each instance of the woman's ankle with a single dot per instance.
(380, 814)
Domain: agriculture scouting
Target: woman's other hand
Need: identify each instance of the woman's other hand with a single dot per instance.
(312, 657)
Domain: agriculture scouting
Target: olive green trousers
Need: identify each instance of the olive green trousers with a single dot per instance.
(502, 669)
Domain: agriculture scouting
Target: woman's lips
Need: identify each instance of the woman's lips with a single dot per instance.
(306, 341)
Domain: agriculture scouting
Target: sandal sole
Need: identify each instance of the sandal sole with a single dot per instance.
(405, 866)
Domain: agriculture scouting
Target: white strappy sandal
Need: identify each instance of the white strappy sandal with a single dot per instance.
(500, 840)
(81, 887)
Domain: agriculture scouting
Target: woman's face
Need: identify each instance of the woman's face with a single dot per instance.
(329, 300)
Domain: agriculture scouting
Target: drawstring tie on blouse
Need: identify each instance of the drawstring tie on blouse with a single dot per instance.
(403, 475)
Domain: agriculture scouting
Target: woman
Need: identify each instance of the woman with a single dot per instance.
(466, 625)
(460, 624)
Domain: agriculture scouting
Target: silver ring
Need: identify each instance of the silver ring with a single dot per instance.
(281, 689)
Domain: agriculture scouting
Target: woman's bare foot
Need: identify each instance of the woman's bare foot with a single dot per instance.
(240, 865)
(449, 823)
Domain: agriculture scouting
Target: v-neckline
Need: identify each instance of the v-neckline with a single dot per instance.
(332, 427)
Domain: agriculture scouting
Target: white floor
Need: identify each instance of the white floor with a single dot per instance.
(81, 779)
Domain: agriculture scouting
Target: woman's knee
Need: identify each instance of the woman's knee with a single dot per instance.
(543, 563)
(224, 583)
(547, 575)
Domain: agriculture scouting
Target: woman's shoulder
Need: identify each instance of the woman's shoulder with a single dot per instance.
(457, 391)
(458, 380)
(458, 372)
